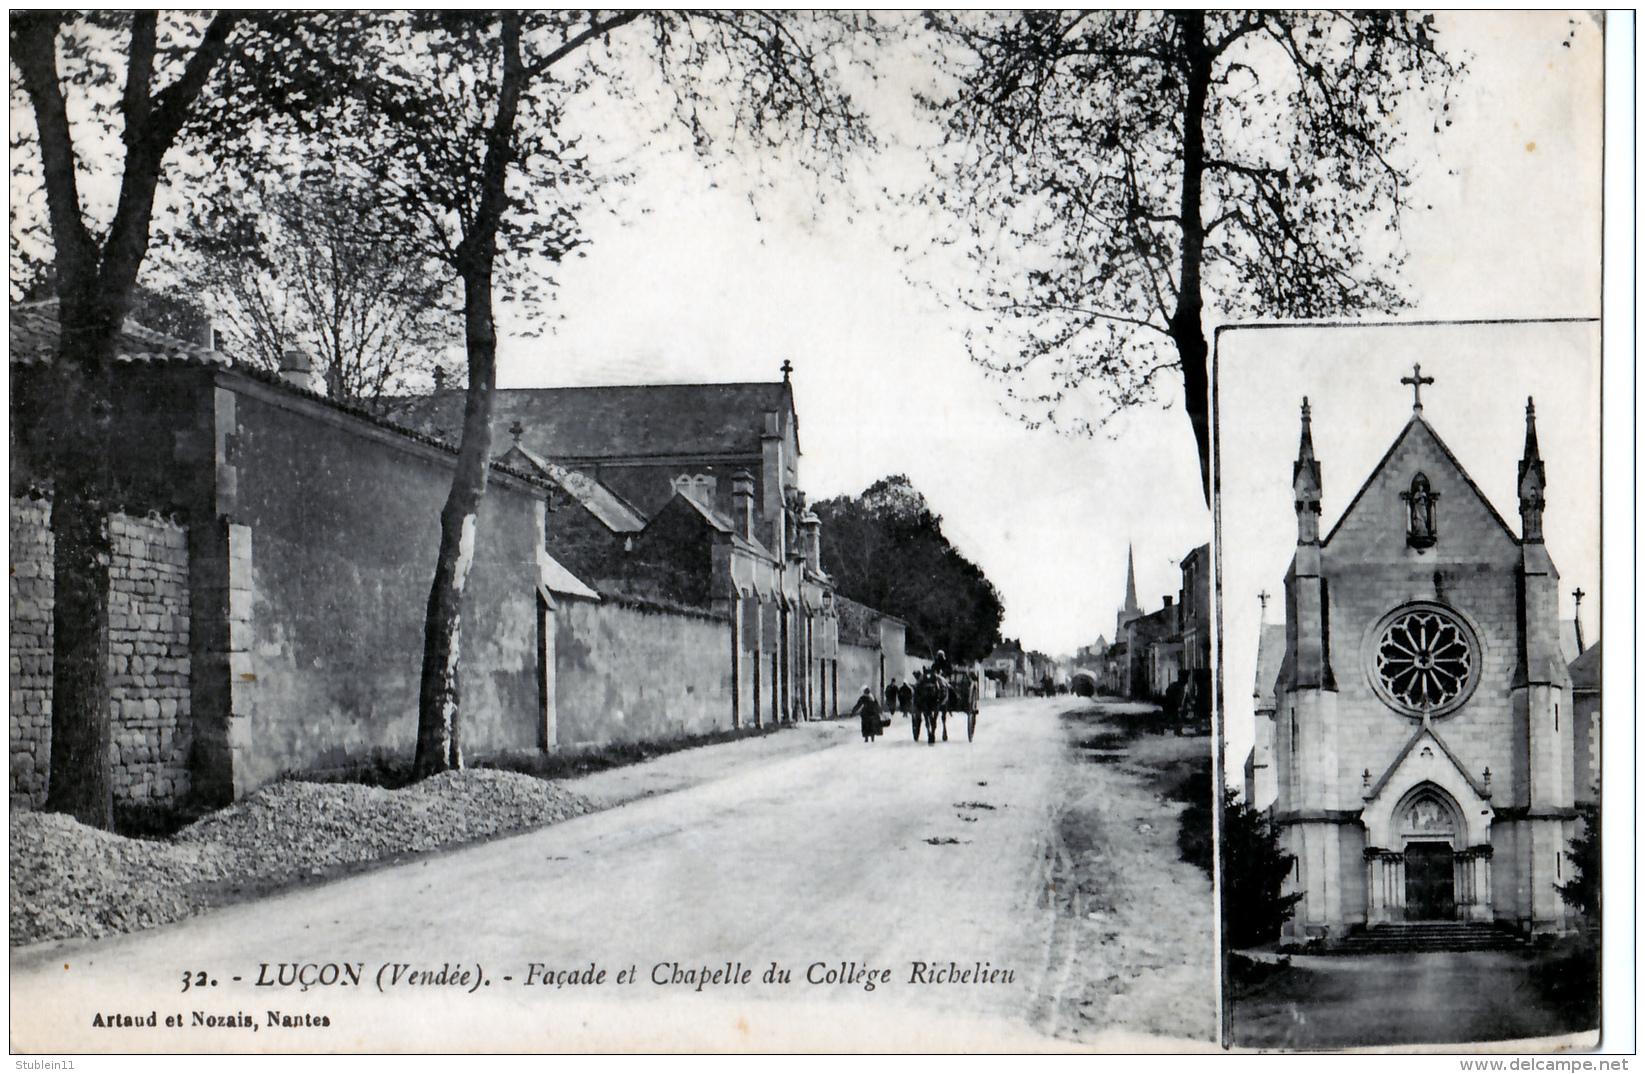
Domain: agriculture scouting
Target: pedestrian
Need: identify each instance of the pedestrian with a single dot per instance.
(869, 710)
(891, 697)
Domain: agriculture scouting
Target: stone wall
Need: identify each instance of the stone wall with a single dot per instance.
(332, 545)
(859, 667)
(148, 656)
(31, 588)
(625, 672)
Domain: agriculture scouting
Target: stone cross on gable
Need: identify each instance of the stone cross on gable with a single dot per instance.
(1263, 597)
(787, 368)
(516, 431)
(1416, 380)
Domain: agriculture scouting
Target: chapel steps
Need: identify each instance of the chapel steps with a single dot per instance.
(1422, 937)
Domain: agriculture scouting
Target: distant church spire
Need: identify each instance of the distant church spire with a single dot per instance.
(1532, 481)
(1131, 607)
(1305, 482)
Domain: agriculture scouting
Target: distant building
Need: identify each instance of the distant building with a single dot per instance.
(1260, 787)
(1585, 708)
(682, 494)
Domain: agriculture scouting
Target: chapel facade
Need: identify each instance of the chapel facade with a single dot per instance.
(1423, 722)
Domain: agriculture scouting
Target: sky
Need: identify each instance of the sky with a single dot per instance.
(692, 279)
(721, 271)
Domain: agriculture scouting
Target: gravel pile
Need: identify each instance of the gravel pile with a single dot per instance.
(68, 880)
(71, 880)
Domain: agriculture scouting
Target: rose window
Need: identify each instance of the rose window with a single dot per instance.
(1425, 662)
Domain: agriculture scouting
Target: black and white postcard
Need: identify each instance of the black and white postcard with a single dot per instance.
(744, 531)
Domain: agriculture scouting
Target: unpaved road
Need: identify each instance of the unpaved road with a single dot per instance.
(1058, 875)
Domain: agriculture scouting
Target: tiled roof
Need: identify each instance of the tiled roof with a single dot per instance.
(600, 501)
(561, 581)
(857, 622)
(33, 335)
(1270, 654)
(619, 421)
(1585, 669)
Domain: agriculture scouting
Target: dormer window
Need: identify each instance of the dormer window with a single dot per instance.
(699, 487)
(1420, 498)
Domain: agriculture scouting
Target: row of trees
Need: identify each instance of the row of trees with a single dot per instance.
(886, 549)
(1150, 157)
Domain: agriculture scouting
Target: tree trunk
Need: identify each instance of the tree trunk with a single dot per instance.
(438, 728)
(1187, 330)
(439, 745)
(68, 429)
(81, 781)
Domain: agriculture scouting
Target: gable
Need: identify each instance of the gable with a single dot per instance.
(1374, 526)
(595, 498)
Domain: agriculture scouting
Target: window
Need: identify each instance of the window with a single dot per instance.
(1425, 661)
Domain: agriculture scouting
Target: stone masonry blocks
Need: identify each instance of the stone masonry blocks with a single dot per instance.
(148, 656)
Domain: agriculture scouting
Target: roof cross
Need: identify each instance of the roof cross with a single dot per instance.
(1263, 597)
(787, 368)
(1416, 380)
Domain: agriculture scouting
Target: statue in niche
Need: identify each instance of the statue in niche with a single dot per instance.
(1420, 498)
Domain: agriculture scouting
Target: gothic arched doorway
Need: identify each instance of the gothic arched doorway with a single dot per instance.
(1430, 824)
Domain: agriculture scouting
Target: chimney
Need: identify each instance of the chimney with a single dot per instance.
(297, 370)
(811, 527)
(1167, 601)
(742, 504)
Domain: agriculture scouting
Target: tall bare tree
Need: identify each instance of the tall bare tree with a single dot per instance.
(314, 264)
(1119, 169)
(463, 114)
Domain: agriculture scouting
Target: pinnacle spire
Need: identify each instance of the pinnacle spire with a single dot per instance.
(1130, 582)
(1305, 482)
(1532, 481)
(1531, 451)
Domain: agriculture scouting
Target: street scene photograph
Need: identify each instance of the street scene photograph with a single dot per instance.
(692, 531)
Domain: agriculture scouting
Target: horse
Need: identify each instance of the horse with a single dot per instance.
(930, 697)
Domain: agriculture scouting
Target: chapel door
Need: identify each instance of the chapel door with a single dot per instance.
(1430, 884)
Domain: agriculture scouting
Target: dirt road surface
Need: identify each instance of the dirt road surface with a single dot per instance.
(842, 889)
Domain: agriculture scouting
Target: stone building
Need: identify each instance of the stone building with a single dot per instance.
(1194, 604)
(1154, 652)
(1260, 786)
(659, 475)
(1424, 726)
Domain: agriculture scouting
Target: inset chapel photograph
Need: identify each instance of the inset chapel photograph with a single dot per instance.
(1411, 575)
